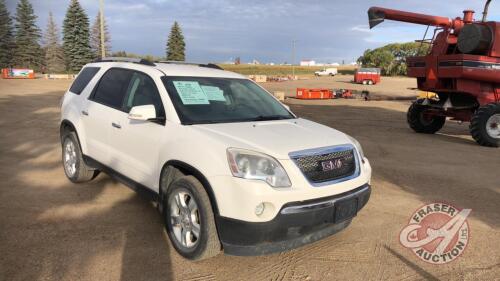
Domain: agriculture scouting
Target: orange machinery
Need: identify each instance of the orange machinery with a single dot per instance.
(303, 93)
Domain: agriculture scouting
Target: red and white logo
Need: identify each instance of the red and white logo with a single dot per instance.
(437, 233)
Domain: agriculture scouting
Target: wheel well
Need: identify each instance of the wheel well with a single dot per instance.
(66, 126)
(186, 170)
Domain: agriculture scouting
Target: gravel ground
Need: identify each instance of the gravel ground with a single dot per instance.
(51, 229)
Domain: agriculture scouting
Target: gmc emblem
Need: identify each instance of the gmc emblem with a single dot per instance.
(331, 165)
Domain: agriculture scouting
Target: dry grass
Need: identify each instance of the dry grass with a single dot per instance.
(249, 69)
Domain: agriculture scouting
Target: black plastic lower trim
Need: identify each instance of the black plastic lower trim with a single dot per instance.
(291, 230)
(141, 189)
(266, 248)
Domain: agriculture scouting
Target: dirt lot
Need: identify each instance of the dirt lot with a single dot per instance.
(388, 88)
(51, 229)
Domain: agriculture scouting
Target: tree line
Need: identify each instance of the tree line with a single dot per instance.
(23, 45)
(392, 58)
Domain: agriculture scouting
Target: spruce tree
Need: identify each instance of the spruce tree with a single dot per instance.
(95, 37)
(6, 37)
(76, 39)
(27, 52)
(54, 56)
(175, 45)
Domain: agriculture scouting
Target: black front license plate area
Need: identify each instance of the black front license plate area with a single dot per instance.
(345, 209)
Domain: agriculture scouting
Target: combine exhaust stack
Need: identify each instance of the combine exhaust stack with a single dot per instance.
(462, 68)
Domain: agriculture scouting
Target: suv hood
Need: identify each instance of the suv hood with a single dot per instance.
(276, 138)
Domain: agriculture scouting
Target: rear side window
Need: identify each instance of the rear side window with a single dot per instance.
(83, 79)
(112, 88)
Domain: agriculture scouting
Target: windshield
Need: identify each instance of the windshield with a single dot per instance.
(202, 100)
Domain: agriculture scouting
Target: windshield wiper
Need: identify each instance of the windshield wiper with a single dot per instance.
(269, 117)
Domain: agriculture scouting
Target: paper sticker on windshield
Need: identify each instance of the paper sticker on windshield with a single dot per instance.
(190, 92)
(213, 93)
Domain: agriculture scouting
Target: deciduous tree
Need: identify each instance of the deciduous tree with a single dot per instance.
(392, 58)
(54, 55)
(95, 38)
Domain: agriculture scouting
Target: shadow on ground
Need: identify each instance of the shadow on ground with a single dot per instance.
(53, 229)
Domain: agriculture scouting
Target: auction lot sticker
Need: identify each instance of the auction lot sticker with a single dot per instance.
(437, 233)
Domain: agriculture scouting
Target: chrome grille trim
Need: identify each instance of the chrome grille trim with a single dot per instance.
(327, 150)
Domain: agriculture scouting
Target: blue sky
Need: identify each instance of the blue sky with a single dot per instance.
(220, 30)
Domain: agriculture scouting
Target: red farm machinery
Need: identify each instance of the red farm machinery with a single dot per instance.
(462, 67)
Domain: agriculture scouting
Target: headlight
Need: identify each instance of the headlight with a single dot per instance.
(358, 146)
(257, 166)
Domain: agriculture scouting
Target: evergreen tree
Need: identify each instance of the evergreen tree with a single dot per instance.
(27, 52)
(6, 37)
(76, 39)
(95, 37)
(175, 45)
(54, 56)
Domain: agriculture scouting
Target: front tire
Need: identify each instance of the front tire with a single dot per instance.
(189, 219)
(420, 123)
(75, 168)
(485, 125)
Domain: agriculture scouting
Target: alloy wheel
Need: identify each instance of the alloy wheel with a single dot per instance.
(185, 218)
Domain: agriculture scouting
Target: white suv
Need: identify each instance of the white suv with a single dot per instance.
(230, 166)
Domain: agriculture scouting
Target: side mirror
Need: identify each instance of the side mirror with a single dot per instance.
(142, 112)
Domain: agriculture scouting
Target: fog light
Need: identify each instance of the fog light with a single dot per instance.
(259, 209)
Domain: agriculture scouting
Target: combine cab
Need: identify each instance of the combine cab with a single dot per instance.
(462, 68)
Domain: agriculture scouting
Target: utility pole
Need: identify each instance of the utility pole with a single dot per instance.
(293, 57)
(103, 44)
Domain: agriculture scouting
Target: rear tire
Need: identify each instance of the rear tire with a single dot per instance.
(75, 168)
(485, 125)
(423, 124)
(370, 82)
(189, 219)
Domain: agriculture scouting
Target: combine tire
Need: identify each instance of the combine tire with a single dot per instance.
(421, 123)
(485, 125)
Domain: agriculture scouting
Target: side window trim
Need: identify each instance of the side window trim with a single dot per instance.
(160, 121)
(93, 69)
(92, 94)
(122, 109)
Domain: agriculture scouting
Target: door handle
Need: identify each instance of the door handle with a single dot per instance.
(116, 125)
(84, 112)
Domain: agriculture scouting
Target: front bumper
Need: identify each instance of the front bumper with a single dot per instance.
(297, 224)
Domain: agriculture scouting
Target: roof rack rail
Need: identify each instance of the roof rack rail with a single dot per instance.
(208, 65)
(125, 59)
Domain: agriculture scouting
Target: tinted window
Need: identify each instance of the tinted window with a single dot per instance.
(112, 87)
(83, 79)
(142, 90)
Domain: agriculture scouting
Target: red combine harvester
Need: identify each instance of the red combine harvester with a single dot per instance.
(462, 68)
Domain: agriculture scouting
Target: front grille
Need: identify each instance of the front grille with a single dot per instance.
(328, 166)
